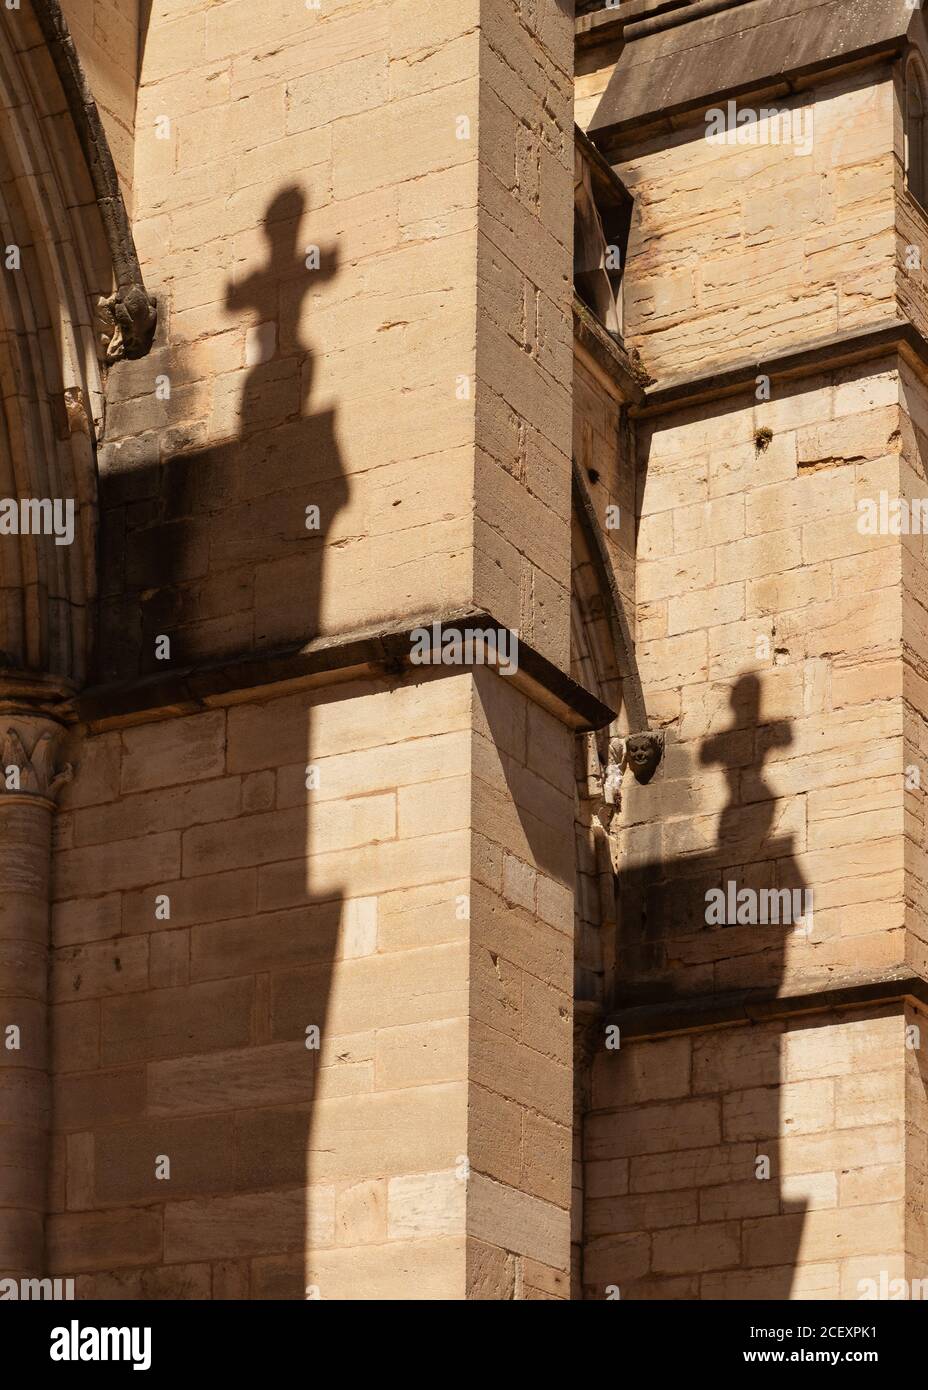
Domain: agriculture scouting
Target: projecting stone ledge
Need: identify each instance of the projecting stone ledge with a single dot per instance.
(668, 66)
(830, 354)
(371, 653)
(853, 990)
(620, 372)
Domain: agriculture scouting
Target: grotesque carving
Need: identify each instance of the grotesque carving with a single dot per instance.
(640, 752)
(78, 421)
(35, 773)
(643, 753)
(615, 766)
(126, 323)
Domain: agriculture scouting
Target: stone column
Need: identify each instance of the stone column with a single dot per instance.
(29, 782)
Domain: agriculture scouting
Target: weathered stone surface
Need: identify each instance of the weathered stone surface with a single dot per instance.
(344, 940)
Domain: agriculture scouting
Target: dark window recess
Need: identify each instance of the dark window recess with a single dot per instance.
(602, 217)
(916, 174)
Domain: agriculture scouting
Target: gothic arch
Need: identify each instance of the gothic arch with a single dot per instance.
(915, 127)
(58, 265)
(597, 657)
(602, 660)
(593, 665)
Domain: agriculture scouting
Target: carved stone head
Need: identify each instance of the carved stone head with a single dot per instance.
(643, 752)
(126, 323)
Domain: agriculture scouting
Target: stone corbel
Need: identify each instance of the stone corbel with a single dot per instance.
(643, 752)
(640, 752)
(125, 323)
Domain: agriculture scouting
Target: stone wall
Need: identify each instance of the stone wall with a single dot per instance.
(253, 337)
(411, 384)
(772, 650)
(524, 348)
(106, 35)
(680, 1201)
(415, 906)
(769, 644)
(293, 1162)
(309, 222)
(780, 642)
(521, 999)
(742, 250)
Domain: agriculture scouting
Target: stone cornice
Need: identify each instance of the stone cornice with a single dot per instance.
(679, 61)
(824, 355)
(608, 24)
(696, 1013)
(369, 654)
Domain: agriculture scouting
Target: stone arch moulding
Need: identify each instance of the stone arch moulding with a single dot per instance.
(72, 300)
(915, 125)
(603, 661)
(622, 647)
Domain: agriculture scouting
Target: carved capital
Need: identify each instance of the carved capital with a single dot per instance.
(29, 762)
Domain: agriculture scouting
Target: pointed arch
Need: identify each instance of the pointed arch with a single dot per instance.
(916, 135)
(56, 266)
(595, 592)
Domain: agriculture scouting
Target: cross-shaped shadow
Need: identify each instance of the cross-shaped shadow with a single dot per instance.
(222, 549)
(670, 947)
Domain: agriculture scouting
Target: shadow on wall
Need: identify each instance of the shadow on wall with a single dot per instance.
(700, 921)
(210, 547)
(214, 547)
(145, 8)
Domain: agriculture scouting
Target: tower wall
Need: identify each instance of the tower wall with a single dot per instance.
(757, 1132)
(412, 385)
